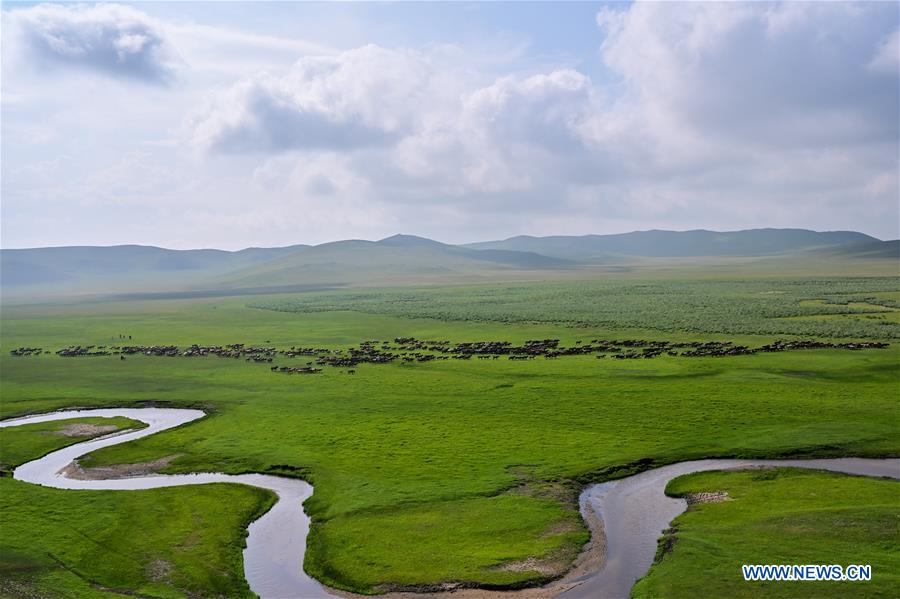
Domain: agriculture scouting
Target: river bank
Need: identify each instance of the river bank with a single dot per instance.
(626, 516)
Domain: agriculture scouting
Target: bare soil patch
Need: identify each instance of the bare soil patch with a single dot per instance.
(455, 592)
(159, 570)
(76, 471)
(713, 497)
(80, 429)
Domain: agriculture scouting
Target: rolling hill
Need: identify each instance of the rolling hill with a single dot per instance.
(125, 264)
(144, 271)
(872, 250)
(394, 259)
(669, 244)
(139, 270)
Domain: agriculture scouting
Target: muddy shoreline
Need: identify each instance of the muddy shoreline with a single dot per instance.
(78, 472)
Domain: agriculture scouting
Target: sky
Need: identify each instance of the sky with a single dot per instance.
(232, 125)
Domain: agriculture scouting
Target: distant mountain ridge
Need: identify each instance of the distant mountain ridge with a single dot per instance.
(126, 267)
(392, 258)
(866, 250)
(400, 259)
(696, 243)
(56, 264)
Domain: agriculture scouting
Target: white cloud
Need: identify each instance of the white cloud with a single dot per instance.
(545, 109)
(491, 139)
(108, 38)
(716, 115)
(779, 75)
(227, 52)
(367, 96)
(718, 109)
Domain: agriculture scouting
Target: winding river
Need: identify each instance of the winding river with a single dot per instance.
(633, 510)
(276, 542)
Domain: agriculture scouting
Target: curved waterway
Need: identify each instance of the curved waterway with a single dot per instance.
(276, 542)
(634, 511)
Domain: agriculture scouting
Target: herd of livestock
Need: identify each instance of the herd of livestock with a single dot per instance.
(410, 349)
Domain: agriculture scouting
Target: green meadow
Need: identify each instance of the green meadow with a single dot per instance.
(779, 516)
(846, 307)
(449, 470)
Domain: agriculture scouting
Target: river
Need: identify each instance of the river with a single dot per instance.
(634, 510)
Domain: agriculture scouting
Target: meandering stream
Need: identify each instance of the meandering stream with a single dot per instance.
(273, 558)
(634, 510)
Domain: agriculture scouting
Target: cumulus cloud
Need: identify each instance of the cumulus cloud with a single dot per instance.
(492, 138)
(407, 122)
(785, 75)
(362, 97)
(111, 39)
(708, 95)
(544, 109)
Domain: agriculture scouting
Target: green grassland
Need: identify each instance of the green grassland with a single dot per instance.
(157, 543)
(779, 516)
(468, 465)
(848, 307)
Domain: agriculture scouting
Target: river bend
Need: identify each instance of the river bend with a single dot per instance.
(276, 542)
(634, 510)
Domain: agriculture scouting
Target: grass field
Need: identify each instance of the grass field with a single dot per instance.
(780, 516)
(847, 307)
(466, 466)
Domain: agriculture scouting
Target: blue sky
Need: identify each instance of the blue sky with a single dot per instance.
(259, 124)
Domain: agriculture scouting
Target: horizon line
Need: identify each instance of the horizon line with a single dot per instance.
(259, 247)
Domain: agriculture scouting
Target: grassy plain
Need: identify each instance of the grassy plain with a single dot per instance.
(848, 307)
(158, 543)
(780, 516)
(467, 465)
